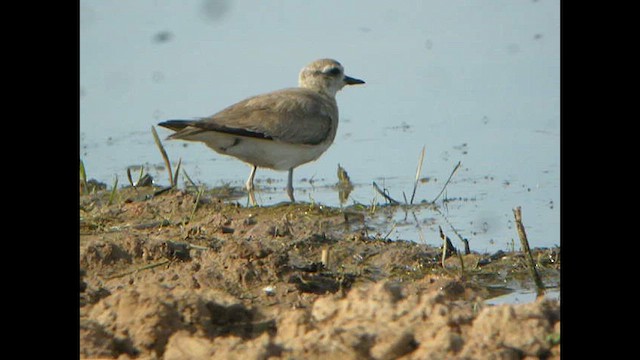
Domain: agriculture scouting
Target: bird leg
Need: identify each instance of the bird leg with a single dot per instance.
(250, 187)
(290, 186)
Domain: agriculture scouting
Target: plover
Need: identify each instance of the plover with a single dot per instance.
(279, 130)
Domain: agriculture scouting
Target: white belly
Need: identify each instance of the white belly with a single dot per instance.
(262, 153)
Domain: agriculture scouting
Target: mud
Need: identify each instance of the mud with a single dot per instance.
(185, 276)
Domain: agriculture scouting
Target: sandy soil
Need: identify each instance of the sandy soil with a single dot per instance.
(162, 277)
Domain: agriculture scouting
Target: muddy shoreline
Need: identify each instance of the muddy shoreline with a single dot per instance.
(185, 275)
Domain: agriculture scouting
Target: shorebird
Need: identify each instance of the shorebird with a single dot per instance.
(280, 130)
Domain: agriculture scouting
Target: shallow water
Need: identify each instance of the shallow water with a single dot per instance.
(522, 297)
(472, 82)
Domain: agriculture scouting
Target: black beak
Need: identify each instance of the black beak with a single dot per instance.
(352, 81)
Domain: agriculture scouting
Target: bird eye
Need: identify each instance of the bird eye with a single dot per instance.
(334, 71)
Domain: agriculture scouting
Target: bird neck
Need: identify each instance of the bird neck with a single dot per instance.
(328, 92)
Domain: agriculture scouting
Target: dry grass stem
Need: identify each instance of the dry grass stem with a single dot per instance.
(324, 257)
(165, 157)
(84, 187)
(390, 231)
(129, 178)
(517, 213)
(113, 191)
(389, 198)
(175, 176)
(444, 247)
(146, 267)
(447, 182)
(184, 173)
(415, 184)
(196, 202)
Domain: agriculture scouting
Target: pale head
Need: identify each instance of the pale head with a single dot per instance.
(325, 76)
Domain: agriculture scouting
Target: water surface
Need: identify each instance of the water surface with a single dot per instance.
(473, 82)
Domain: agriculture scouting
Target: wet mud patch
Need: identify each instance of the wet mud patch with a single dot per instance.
(177, 275)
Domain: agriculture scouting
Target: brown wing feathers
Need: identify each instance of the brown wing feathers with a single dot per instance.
(266, 117)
